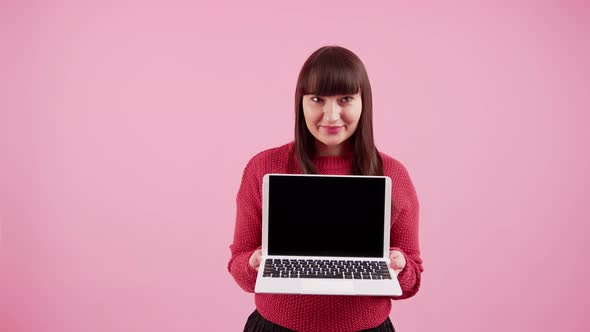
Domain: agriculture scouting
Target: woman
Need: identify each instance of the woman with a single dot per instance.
(333, 135)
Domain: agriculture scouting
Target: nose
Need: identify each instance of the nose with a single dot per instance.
(332, 111)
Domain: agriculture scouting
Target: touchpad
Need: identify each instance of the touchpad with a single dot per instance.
(328, 286)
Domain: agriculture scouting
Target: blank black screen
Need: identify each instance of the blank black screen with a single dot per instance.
(326, 216)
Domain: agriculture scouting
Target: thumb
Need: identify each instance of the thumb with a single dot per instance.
(255, 259)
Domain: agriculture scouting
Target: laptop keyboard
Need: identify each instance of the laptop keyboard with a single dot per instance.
(325, 269)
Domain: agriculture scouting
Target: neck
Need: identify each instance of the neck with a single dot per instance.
(323, 150)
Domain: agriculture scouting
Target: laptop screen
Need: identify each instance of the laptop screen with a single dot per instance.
(326, 216)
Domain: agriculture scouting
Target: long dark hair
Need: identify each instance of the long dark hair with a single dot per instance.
(333, 70)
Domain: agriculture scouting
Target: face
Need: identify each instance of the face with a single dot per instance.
(332, 120)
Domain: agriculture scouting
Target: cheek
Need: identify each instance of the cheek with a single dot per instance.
(352, 118)
(311, 118)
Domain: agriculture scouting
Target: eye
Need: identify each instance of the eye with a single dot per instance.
(347, 99)
(316, 99)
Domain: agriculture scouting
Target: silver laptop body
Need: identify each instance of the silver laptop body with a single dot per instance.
(326, 234)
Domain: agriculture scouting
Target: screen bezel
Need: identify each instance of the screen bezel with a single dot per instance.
(386, 206)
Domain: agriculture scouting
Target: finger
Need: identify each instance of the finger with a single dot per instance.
(395, 254)
(395, 264)
(255, 259)
(258, 258)
(398, 263)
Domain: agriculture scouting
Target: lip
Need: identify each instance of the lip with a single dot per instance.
(332, 129)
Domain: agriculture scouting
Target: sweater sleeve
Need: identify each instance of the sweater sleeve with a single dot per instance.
(404, 232)
(248, 228)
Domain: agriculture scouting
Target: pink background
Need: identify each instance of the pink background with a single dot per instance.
(125, 127)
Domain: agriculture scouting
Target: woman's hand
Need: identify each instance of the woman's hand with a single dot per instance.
(255, 259)
(398, 261)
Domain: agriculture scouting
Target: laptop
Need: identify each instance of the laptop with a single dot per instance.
(326, 234)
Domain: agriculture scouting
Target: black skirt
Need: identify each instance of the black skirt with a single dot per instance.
(257, 323)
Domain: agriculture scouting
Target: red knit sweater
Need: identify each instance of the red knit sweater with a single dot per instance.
(322, 312)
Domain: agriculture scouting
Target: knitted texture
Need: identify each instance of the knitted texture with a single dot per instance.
(323, 312)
